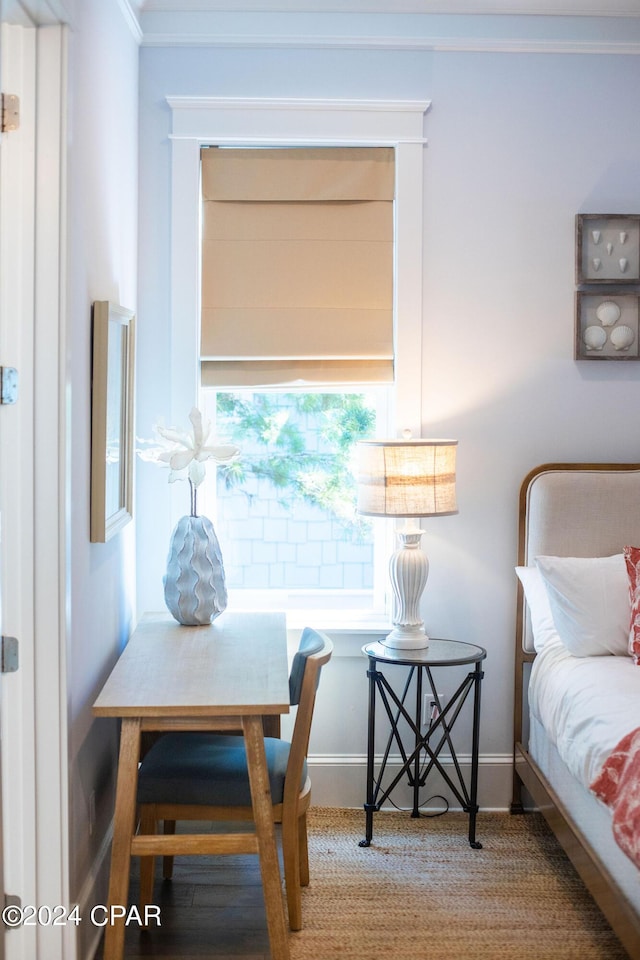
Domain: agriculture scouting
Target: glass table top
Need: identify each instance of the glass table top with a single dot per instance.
(438, 652)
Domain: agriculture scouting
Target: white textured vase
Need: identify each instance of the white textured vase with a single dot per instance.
(194, 585)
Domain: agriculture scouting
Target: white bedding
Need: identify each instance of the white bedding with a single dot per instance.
(588, 813)
(586, 705)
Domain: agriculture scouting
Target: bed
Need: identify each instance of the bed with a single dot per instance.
(574, 706)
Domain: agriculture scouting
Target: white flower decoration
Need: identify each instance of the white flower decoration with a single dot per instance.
(189, 451)
(186, 453)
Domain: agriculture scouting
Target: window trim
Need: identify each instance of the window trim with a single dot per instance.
(198, 121)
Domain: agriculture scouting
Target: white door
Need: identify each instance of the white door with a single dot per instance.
(2, 453)
(33, 762)
(17, 194)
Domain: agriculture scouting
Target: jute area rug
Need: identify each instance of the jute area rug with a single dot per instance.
(419, 892)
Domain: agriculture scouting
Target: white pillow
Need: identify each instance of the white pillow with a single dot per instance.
(542, 625)
(589, 601)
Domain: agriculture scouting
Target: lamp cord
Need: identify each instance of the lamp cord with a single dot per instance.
(428, 816)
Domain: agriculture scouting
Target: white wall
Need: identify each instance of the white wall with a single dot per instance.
(517, 146)
(102, 265)
(518, 143)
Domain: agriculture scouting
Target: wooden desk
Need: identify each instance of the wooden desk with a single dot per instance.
(223, 676)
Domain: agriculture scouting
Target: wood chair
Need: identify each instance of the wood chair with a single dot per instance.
(203, 776)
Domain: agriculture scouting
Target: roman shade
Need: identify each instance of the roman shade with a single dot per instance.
(297, 266)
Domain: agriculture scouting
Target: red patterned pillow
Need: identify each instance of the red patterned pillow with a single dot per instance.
(632, 559)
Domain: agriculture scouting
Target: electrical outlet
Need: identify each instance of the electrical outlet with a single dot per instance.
(430, 710)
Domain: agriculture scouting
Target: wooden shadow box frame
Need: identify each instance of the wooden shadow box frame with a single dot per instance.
(607, 248)
(112, 420)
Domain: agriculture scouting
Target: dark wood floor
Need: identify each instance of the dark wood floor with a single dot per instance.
(212, 909)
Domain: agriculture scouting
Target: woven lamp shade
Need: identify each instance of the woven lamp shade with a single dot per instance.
(407, 478)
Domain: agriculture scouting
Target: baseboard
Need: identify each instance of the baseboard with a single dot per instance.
(340, 781)
(94, 891)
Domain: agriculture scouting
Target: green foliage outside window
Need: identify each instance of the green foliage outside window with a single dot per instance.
(302, 443)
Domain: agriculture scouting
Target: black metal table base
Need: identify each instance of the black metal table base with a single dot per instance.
(422, 754)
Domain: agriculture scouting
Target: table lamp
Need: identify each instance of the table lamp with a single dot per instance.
(410, 479)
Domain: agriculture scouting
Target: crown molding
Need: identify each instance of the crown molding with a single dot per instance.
(442, 45)
(130, 10)
(482, 34)
(561, 8)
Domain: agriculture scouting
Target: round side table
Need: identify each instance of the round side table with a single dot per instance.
(420, 748)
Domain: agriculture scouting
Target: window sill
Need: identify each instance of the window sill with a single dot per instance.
(349, 629)
(352, 622)
(349, 626)
(342, 611)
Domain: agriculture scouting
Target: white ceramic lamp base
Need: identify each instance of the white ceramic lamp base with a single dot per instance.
(408, 571)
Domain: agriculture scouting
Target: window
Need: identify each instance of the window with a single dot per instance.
(275, 124)
(297, 288)
(285, 512)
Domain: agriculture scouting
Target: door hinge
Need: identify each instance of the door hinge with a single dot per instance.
(9, 660)
(12, 913)
(10, 112)
(8, 384)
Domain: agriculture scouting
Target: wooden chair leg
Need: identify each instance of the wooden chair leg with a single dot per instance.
(303, 850)
(167, 862)
(148, 825)
(265, 836)
(291, 859)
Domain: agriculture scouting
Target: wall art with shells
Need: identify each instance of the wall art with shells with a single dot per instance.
(607, 325)
(607, 248)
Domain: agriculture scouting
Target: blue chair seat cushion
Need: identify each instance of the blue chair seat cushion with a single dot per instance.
(208, 769)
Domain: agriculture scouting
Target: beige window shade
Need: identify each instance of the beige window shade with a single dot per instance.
(297, 266)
